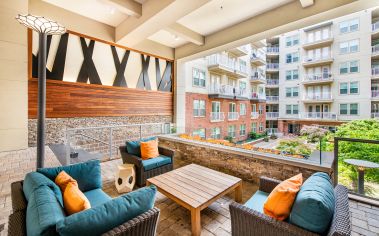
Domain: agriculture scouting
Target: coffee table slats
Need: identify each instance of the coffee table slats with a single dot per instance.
(216, 174)
(207, 177)
(203, 179)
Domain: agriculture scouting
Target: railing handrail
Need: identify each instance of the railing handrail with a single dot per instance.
(113, 126)
(272, 81)
(318, 96)
(375, 26)
(330, 36)
(322, 57)
(95, 139)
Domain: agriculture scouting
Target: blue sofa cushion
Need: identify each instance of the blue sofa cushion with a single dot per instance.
(35, 180)
(97, 197)
(155, 162)
(134, 147)
(43, 212)
(87, 174)
(313, 208)
(102, 218)
(257, 201)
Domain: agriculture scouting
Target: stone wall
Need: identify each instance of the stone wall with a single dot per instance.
(241, 164)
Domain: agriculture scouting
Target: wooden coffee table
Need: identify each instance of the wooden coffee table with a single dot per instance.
(195, 188)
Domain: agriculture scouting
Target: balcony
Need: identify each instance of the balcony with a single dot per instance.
(375, 115)
(217, 116)
(318, 116)
(241, 94)
(327, 41)
(272, 67)
(375, 30)
(272, 115)
(258, 78)
(375, 72)
(316, 98)
(241, 70)
(375, 95)
(319, 78)
(254, 115)
(239, 51)
(272, 83)
(259, 44)
(272, 51)
(222, 64)
(375, 51)
(233, 116)
(318, 61)
(221, 91)
(272, 99)
(256, 97)
(257, 59)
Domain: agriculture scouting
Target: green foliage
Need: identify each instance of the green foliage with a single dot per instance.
(266, 139)
(255, 136)
(273, 136)
(359, 129)
(313, 133)
(294, 147)
(229, 138)
(173, 130)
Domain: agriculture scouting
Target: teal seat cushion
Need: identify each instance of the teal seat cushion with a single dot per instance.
(156, 162)
(313, 208)
(35, 180)
(97, 197)
(102, 218)
(43, 212)
(257, 201)
(87, 174)
(134, 147)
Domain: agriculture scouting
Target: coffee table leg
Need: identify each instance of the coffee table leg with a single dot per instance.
(195, 221)
(238, 193)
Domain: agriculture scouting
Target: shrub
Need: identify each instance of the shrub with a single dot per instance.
(294, 147)
(253, 135)
(273, 136)
(229, 138)
(266, 139)
(313, 133)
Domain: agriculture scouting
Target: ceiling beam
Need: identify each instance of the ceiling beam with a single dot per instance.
(128, 7)
(156, 15)
(307, 3)
(186, 34)
(274, 22)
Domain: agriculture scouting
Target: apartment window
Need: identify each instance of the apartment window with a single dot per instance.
(349, 46)
(292, 74)
(242, 130)
(242, 109)
(198, 77)
(349, 67)
(349, 109)
(216, 133)
(292, 92)
(260, 109)
(292, 40)
(261, 127)
(344, 88)
(232, 131)
(254, 127)
(354, 88)
(199, 132)
(349, 26)
(198, 108)
(292, 57)
(349, 88)
(292, 109)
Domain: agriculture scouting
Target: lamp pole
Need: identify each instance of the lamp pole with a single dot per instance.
(44, 27)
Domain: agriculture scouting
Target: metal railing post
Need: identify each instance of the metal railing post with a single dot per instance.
(140, 132)
(68, 149)
(110, 142)
(336, 161)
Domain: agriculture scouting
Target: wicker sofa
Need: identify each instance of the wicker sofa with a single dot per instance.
(246, 221)
(141, 173)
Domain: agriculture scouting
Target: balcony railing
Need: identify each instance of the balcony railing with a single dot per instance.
(318, 97)
(375, 26)
(319, 77)
(233, 115)
(241, 92)
(319, 115)
(272, 82)
(223, 60)
(257, 77)
(273, 50)
(272, 98)
(375, 49)
(217, 116)
(241, 68)
(272, 66)
(258, 96)
(317, 59)
(375, 115)
(244, 49)
(375, 94)
(254, 115)
(375, 70)
(272, 115)
(226, 90)
(272, 131)
(320, 40)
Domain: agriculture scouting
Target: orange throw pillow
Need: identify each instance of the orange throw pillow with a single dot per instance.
(74, 200)
(149, 149)
(279, 203)
(63, 179)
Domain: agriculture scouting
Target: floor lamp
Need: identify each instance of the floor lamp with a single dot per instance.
(44, 27)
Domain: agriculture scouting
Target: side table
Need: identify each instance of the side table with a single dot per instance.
(125, 178)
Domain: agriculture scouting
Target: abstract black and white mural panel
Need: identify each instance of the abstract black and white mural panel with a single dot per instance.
(72, 58)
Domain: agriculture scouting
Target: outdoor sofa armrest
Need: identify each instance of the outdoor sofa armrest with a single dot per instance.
(166, 152)
(144, 224)
(246, 222)
(19, 202)
(267, 184)
(130, 159)
(17, 220)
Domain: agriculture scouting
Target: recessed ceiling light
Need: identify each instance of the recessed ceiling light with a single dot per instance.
(175, 37)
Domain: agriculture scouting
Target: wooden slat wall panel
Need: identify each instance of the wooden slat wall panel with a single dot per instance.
(66, 99)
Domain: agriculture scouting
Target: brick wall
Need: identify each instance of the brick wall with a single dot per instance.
(193, 123)
(241, 164)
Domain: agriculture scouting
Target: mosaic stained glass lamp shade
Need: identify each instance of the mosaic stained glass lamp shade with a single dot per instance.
(44, 27)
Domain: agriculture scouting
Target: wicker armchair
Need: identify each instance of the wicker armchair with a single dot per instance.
(141, 174)
(144, 224)
(246, 222)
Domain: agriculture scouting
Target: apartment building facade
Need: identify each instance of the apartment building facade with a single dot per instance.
(223, 97)
(328, 74)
